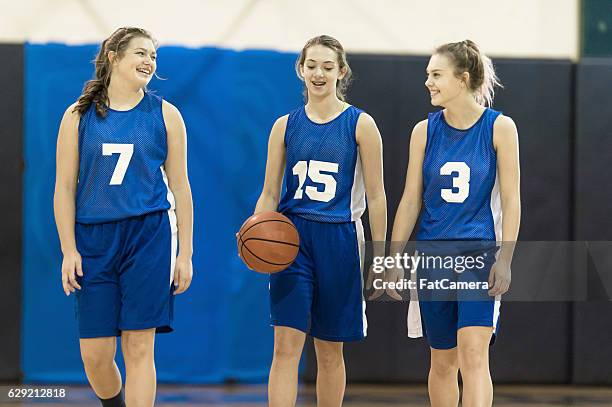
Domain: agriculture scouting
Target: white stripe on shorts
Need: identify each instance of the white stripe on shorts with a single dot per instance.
(413, 319)
(173, 225)
(173, 242)
(360, 244)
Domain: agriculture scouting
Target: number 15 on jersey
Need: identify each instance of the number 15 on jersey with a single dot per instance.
(314, 170)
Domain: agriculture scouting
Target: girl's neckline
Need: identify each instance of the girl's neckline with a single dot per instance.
(469, 128)
(345, 107)
(144, 94)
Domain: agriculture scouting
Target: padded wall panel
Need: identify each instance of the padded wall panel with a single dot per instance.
(11, 168)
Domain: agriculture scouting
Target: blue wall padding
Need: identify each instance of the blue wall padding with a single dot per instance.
(229, 101)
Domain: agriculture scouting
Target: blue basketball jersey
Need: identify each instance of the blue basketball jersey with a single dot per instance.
(461, 198)
(323, 177)
(121, 163)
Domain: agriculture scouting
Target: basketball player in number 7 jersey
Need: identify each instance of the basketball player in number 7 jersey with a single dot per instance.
(332, 157)
(121, 197)
(463, 172)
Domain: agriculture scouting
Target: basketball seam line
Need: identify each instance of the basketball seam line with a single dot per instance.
(268, 240)
(242, 257)
(265, 261)
(268, 220)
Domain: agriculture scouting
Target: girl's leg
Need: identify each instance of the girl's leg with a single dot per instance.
(140, 378)
(283, 381)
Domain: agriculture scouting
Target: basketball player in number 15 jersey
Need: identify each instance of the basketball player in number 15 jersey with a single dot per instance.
(333, 157)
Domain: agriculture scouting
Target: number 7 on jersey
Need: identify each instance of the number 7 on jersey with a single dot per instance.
(125, 152)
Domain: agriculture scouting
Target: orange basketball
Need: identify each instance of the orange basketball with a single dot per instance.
(268, 242)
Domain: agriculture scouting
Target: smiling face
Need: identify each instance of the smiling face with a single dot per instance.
(137, 63)
(442, 83)
(321, 71)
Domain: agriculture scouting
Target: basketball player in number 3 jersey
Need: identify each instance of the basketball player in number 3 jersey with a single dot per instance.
(463, 173)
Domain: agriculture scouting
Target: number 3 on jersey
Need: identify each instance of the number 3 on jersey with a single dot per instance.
(125, 152)
(460, 182)
(313, 168)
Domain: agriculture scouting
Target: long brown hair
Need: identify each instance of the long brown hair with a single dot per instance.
(467, 57)
(96, 90)
(333, 44)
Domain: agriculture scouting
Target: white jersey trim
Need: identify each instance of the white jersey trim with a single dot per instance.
(169, 195)
(496, 209)
(358, 203)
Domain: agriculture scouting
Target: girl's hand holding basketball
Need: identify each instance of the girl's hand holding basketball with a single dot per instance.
(240, 256)
(71, 267)
(183, 273)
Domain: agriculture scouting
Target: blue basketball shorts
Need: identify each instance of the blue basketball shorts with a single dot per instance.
(128, 268)
(444, 309)
(321, 292)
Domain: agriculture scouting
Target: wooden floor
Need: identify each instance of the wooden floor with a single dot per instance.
(356, 396)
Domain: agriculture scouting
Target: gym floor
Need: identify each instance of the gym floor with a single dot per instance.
(356, 396)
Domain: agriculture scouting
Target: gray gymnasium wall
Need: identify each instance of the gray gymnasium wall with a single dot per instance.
(593, 320)
(533, 345)
(11, 166)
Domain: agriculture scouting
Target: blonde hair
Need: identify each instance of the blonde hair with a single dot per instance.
(467, 57)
